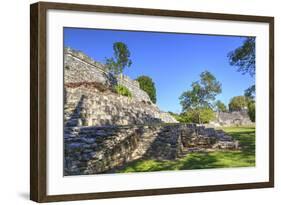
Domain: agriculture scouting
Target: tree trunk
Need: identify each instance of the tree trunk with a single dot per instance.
(199, 119)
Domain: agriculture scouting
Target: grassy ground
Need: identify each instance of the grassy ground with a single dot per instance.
(217, 159)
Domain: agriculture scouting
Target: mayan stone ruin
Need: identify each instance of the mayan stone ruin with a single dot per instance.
(104, 130)
(236, 118)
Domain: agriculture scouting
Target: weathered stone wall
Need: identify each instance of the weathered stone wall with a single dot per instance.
(88, 105)
(91, 150)
(78, 67)
(134, 87)
(236, 118)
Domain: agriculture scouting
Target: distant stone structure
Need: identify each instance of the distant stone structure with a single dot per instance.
(104, 130)
(236, 118)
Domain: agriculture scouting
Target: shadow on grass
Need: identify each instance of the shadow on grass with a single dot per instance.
(246, 140)
(199, 161)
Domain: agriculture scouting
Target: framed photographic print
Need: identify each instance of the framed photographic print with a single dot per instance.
(134, 102)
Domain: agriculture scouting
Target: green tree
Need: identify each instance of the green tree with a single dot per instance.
(250, 92)
(250, 95)
(238, 103)
(147, 85)
(206, 115)
(252, 110)
(120, 60)
(201, 95)
(244, 57)
(220, 106)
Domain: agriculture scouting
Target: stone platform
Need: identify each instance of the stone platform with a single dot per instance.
(92, 150)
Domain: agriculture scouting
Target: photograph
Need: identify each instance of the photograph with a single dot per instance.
(132, 101)
(147, 101)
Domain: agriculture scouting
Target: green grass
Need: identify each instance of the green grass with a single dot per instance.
(217, 159)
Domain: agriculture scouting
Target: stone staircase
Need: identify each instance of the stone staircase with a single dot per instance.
(90, 107)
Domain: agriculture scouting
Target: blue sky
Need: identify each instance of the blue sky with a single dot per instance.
(173, 61)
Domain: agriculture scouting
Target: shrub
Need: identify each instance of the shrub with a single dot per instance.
(183, 118)
(122, 90)
(220, 106)
(198, 115)
(147, 85)
(252, 110)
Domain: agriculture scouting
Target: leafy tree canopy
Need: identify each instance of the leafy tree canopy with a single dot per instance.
(244, 57)
(197, 102)
(148, 86)
(199, 115)
(250, 95)
(250, 92)
(252, 110)
(191, 116)
(120, 60)
(238, 103)
(220, 106)
(202, 92)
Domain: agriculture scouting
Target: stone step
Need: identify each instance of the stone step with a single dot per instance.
(73, 122)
